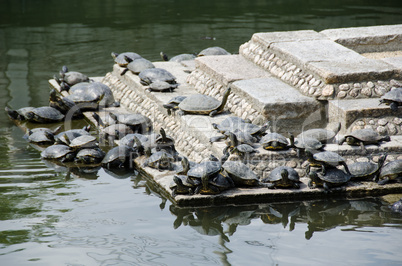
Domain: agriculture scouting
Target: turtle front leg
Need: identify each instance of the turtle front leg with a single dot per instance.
(394, 106)
(326, 187)
(213, 113)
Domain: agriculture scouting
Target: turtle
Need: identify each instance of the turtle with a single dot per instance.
(274, 141)
(182, 184)
(172, 104)
(151, 75)
(19, 114)
(71, 77)
(321, 134)
(41, 137)
(65, 105)
(203, 104)
(283, 177)
(104, 121)
(231, 124)
(71, 134)
(58, 152)
(129, 139)
(177, 58)
(206, 169)
(242, 175)
(41, 129)
(305, 143)
(233, 146)
(390, 172)
(222, 181)
(137, 65)
(115, 131)
(119, 157)
(213, 51)
(393, 98)
(363, 171)
(44, 114)
(120, 59)
(84, 141)
(160, 160)
(89, 156)
(205, 187)
(163, 141)
(325, 159)
(138, 123)
(397, 206)
(333, 177)
(363, 137)
(162, 86)
(242, 137)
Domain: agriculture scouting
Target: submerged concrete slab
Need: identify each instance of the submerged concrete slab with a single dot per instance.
(368, 39)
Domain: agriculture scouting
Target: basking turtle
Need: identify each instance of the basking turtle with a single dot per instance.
(242, 137)
(119, 157)
(367, 170)
(172, 104)
(129, 139)
(92, 95)
(213, 51)
(41, 129)
(160, 160)
(205, 187)
(65, 105)
(44, 114)
(137, 65)
(71, 77)
(151, 75)
(104, 121)
(333, 177)
(177, 58)
(321, 134)
(182, 184)
(162, 86)
(274, 141)
(222, 181)
(58, 152)
(305, 143)
(241, 174)
(397, 206)
(163, 141)
(233, 146)
(89, 156)
(363, 137)
(203, 104)
(325, 159)
(41, 137)
(283, 177)
(393, 98)
(120, 59)
(84, 141)
(19, 114)
(231, 124)
(71, 134)
(137, 122)
(116, 131)
(206, 169)
(390, 172)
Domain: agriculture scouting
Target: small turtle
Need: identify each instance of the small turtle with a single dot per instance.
(205, 169)
(44, 114)
(137, 122)
(137, 65)
(242, 137)
(283, 177)
(71, 77)
(119, 157)
(177, 58)
(393, 98)
(390, 172)
(367, 170)
(205, 188)
(116, 131)
(160, 160)
(41, 137)
(241, 174)
(334, 177)
(230, 124)
(19, 114)
(58, 152)
(71, 134)
(305, 143)
(172, 104)
(274, 141)
(321, 134)
(162, 86)
(397, 206)
(182, 184)
(84, 141)
(163, 141)
(325, 159)
(363, 137)
(203, 104)
(120, 59)
(151, 75)
(129, 139)
(233, 146)
(213, 51)
(222, 181)
(64, 105)
(89, 156)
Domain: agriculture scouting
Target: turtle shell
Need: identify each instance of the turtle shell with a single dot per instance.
(199, 103)
(391, 170)
(275, 174)
(58, 151)
(72, 77)
(334, 176)
(137, 122)
(231, 124)
(118, 156)
(213, 51)
(274, 141)
(91, 95)
(159, 157)
(320, 134)
(162, 86)
(89, 156)
(328, 157)
(182, 57)
(240, 173)
(71, 135)
(151, 75)
(308, 143)
(365, 135)
(394, 95)
(41, 137)
(84, 141)
(121, 60)
(139, 65)
(208, 168)
(129, 139)
(44, 114)
(361, 170)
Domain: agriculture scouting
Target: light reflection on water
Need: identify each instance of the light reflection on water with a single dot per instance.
(49, 216)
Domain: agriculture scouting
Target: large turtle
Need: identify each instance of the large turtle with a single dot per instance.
(325, 160)
(19, 114)
(203, 104)
(305, 143)
(242, 175)
(65, 105)
(96, 94)
(177, 58)
(89, 156)
(393, 98)
(206, 169)
(363, 137)
(274, 141)
(71, 77)
(119, 157)
(367, 170)
(151, 75)
(390, 172)
(160, 160)
(321, 134)
(71, 134)
(44, 114)
(120, 59)
(333, 177)
(137, 122)
(283, 177)
(58, 152)
(137, 65)
(41, 137)
(213, 51)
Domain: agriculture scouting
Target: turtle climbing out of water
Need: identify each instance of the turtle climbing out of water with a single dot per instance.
(203, 104)
(393, 98)
(362, 137)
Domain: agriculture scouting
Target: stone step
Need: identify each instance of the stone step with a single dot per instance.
(363, 113)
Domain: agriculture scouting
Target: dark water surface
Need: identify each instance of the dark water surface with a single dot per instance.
(51, 217)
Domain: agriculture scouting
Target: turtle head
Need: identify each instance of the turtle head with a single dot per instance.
(64, 86)
(140, 147)
(224, 100)
(163, 134)
(382, 159)
(64, 70)
(185, 164)
(164, 56)
(114, 55)
(292, 140)
(285, 175)
(213, 158)
(12, 113)
(128, 59)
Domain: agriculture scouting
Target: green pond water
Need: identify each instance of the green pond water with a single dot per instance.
(51, 216)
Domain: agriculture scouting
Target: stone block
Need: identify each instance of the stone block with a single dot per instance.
(265, 39)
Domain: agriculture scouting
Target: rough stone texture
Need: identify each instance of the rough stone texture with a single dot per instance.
(368, 39)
